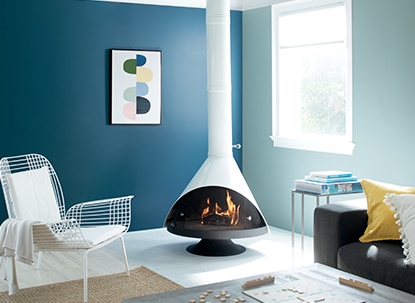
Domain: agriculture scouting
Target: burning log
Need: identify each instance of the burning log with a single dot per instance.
(216, 216)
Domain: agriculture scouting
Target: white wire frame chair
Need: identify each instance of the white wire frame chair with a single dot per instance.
(84, 227)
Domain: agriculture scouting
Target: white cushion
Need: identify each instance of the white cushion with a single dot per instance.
(33, 196)
(98, 234)
(404, 207)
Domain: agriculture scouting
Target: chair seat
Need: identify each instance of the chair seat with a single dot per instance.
(98, 234)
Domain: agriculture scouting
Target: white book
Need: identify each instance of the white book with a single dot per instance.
(328, 174)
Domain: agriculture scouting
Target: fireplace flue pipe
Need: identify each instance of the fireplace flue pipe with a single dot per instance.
(219, 84)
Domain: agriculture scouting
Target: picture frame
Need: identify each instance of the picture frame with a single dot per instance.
(135, 86)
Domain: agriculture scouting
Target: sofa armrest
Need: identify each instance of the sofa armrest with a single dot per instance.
(335, 225)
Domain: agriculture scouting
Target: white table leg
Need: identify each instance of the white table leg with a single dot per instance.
(292, 218)
(302, 221)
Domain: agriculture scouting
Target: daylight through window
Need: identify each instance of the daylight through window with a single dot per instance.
(312, 76)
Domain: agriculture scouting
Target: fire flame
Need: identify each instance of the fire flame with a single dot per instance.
(232, 211)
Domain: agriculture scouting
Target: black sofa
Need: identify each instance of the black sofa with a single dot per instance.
(337, 228)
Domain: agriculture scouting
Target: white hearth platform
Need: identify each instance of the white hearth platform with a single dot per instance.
(166, 254)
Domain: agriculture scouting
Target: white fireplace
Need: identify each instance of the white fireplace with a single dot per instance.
(217, 205)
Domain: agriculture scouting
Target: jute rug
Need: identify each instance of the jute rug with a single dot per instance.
(103, 289)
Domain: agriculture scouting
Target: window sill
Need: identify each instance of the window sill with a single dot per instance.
(325, 145)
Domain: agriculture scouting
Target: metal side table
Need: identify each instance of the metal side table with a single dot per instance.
(317, 197)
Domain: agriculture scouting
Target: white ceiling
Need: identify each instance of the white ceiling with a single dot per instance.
(235, 4)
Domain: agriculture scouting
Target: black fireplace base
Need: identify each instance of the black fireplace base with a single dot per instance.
(215, 248)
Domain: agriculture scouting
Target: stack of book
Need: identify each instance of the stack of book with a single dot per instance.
(329, 182)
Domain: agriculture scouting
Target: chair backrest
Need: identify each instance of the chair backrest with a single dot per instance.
(31, 188)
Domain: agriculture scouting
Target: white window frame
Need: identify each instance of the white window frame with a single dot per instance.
(319, 143)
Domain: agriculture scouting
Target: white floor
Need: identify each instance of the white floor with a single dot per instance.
(166, 254)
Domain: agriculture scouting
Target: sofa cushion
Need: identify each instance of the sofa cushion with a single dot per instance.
(381, 222)
(404, 207)
(335, 225)
(381, 262)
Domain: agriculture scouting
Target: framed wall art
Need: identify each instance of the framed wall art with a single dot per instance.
(135, 86)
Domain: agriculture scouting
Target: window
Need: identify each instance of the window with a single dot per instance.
(312, 78)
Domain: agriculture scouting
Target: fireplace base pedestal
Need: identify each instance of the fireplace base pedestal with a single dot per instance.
(215, 248)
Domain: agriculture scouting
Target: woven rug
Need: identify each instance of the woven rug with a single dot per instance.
(110, 288)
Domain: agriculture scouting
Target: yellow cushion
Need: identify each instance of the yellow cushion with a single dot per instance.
(381, 222)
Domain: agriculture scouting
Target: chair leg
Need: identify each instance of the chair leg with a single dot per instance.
(85, 269)
(127, 269)
(2, 267)
(39, 259)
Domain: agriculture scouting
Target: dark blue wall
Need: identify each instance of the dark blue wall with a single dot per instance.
(55, 98)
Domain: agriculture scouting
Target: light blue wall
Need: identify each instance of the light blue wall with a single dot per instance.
(55, 96)
(384, 108)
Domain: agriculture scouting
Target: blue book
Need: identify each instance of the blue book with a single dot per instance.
(328, 188)
(330, 180)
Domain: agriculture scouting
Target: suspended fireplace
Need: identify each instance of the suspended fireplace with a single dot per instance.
(217, 205)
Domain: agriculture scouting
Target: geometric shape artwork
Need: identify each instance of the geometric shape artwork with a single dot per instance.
(135, 87)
